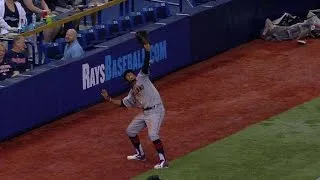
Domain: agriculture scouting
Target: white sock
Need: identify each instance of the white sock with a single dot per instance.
(161, 156)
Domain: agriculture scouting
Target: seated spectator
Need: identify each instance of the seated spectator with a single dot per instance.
(11, 12)
(73, 49)
(37, 7)
(93, 16)
(18, 55)
(68, 4)
(61, 3)
(6, 67)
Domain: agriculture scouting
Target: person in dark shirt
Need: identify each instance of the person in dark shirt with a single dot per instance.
(7, 68)
(18, 55)
(38, 7)
(34, 6)
(61, 3)
(11, 14)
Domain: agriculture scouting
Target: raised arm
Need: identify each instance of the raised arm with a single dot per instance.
(146, 62)
(44, 6)
(29, 4)
(143, 39)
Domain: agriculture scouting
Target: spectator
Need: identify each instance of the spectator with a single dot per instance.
(51, 4)
(64, 3)
(37, 7)
(11, 12)
(73, 49)
(73, 3)
(94, 16)
(18, 55)
(60, 3)
(6, 67)
(34, 6)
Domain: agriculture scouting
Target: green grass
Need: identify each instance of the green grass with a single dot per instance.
(285, 147)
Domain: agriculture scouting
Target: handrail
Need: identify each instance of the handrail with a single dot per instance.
(72, 17)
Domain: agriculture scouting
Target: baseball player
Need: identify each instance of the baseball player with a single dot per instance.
(143, 95)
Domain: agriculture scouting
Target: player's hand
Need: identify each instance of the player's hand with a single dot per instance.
(142, 37)
(105, 94)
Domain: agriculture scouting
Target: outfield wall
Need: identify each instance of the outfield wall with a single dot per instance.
(62, 87)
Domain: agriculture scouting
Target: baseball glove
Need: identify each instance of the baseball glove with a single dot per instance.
(142, 37)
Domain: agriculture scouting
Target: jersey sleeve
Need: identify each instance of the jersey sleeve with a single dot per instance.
(129, 101)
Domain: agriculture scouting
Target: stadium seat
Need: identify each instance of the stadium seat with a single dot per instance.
(52, 52)
(149, 14)
(101, 33)
(61, 43)
(86, 38)
(162, 11)
(114, 28)
(137, 19)
(90, 36)
(126, 23)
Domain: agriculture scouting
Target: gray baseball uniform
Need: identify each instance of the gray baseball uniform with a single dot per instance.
(273, 31)
(144, 95)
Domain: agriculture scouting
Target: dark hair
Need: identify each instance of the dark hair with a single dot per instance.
(153, 177)
(126, 72)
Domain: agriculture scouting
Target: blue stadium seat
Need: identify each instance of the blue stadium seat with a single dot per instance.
(52, 52)
(101, 33)
(162, 11)
(86, 38)
(82, 41)
(137, 19)
(61, 43)
(114, 28)
(149, 14)
(126, 23)
(90, 35)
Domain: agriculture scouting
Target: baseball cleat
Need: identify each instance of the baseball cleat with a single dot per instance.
(137, 157)
(162, 164)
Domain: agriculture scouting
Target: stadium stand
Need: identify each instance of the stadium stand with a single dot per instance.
(126, 23)
(62, 43)
(52, 52)
(100, 33)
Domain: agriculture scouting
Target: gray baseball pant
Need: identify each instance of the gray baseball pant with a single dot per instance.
(152, 119)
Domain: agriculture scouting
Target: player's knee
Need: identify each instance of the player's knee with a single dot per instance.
(154, 136)
(130, 133)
